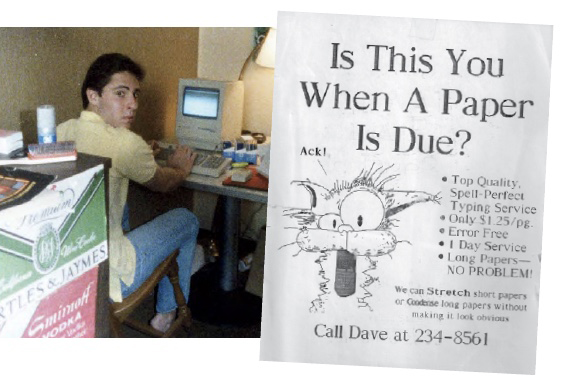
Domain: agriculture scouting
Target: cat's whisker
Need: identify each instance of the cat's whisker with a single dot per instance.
(286, 245)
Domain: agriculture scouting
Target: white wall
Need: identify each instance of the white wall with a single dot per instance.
(222, 52)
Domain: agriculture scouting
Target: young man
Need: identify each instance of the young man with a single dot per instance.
(110, 95)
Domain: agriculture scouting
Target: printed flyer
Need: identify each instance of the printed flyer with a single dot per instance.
(405, 209)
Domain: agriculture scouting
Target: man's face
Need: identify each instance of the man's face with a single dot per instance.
(118, 100)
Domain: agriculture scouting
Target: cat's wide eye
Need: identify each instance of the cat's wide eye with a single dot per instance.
(330, 221)
(362, 210)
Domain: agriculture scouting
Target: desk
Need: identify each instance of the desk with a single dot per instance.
(230, 219)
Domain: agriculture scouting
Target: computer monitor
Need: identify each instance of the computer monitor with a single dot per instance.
(209, 112)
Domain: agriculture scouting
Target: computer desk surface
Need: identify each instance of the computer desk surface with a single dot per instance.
(214, 185)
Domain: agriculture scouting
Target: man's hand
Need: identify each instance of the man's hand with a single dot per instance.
(182, 158)
(155, 147)
(171, 176)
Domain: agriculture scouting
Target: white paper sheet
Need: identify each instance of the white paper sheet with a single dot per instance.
(406, 193)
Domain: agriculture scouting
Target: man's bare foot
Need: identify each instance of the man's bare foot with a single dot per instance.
(162, 321)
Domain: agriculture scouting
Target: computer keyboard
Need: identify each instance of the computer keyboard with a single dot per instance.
(206, 163)
(210, 164)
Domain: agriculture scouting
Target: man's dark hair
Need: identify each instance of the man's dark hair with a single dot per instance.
(100, 72)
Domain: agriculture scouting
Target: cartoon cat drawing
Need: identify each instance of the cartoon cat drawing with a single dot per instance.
(353, 219)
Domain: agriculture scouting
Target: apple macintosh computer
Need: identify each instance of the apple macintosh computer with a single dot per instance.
(208, 113)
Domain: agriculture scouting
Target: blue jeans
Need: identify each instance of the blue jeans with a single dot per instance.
(153, 242)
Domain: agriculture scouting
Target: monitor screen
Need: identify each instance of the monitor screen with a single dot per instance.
(201, 102)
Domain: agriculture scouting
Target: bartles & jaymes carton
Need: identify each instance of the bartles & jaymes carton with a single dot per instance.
(48, 243)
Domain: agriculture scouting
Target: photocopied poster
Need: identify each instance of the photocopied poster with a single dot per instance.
(405, 207)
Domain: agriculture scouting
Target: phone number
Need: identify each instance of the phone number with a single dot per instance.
(459, 337)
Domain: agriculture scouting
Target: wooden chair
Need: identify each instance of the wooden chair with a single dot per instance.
(119, 312)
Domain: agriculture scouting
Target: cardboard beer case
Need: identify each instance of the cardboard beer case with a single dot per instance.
(49, 242)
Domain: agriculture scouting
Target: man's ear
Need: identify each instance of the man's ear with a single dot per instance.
(93, 96)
